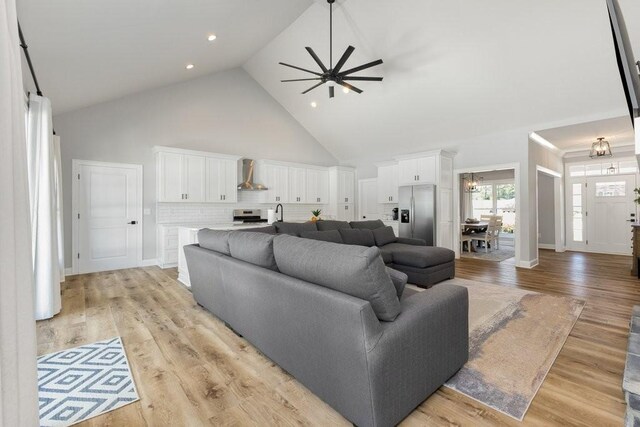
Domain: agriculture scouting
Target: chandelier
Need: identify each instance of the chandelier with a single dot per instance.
(600, 148)
(472, 183)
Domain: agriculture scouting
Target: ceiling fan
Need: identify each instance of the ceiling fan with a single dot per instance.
(334, 75)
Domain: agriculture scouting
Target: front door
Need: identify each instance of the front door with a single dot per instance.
(610, 206)
(108, 211)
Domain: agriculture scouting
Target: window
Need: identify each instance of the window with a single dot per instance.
(482, 201)
(611, 189)
(577, 223)
(497, 198)
(576, 170)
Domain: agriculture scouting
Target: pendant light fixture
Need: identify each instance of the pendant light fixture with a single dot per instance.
(472, 184)
(600, 148)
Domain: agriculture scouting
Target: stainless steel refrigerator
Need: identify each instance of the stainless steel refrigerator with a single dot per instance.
(417, 219)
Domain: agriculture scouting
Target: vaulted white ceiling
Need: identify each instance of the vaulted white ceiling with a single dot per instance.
(86, 52)
(453, 70)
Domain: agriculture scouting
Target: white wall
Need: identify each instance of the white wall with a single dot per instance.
(546, 209)
(227, 113)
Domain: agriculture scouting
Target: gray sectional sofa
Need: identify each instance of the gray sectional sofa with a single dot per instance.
(331, 315)
(425, 265)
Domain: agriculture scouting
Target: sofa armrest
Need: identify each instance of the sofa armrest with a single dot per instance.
(419, 351)
(410, 241)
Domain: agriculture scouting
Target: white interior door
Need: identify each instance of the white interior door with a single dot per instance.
(610, 205)
(108, 205)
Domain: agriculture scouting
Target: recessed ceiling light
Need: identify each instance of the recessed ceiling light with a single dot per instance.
(189, 66)
(314, 104)
(345, 89)
(211, 37)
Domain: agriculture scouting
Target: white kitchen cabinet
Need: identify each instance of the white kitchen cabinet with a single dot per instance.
(297, 185)
(418, 170)
(387, 183)
(345, 212)
(346, 186)
(317, 186)
(195, 176)
(170, 176)
(221, 181)
(167, 246)
(194, 181)
(277, 181)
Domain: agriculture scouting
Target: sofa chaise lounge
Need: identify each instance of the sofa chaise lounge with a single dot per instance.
(425, 265)
(330, 315)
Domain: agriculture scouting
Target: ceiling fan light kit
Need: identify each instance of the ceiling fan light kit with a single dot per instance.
(334, 75)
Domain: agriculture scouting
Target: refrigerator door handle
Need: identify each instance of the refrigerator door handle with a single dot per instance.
(413, 217)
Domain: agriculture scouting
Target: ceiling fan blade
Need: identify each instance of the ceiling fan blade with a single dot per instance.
(331, 92)
(301, 69)
(345, 56)
(312, 88)
(348, 86)
(315, 58)
(364, 79)
(300, 80)
(361, 67)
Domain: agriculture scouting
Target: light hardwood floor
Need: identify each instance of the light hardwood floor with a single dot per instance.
(191, 370)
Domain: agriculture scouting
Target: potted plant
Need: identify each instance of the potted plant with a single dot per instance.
(316, 215)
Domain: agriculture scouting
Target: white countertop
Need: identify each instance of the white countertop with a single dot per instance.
(223, 226)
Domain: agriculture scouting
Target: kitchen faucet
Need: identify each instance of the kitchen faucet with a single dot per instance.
(281, 208)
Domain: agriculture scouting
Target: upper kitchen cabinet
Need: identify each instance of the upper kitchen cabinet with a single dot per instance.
(297, 185)
(276, 178)
(195, 176)
(222, 180)
(417, 170)
(387, 182)
(317, 186)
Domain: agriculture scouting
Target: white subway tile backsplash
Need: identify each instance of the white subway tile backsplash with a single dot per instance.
(213, 213)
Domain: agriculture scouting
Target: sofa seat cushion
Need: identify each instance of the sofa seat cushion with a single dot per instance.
(294, 228)
(362, 237)
(324, 236)
(419, 256)
(325, 225)
(386, 255)
(369, 225)
(214, 240)
(254, 248)
(353, 270)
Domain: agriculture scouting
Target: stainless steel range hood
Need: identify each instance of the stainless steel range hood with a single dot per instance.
(248, 167)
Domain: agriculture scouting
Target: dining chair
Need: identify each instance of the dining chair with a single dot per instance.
(468, 238)
(498, 230)
(488, 236)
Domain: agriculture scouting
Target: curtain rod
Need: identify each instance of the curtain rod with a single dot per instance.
(25, 48)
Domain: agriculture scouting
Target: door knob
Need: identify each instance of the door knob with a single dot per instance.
(132, 222)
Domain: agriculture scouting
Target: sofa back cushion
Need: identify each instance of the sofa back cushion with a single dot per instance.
(384, 236)
(214, 240)
(325, 225)
(370, 225)
(294, 228)
(363, 237)
(353, 270)
(324, 236)
(269, 229)
(254, 248)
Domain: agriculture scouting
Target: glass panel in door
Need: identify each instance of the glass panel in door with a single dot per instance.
(506, 207)
(482, 201)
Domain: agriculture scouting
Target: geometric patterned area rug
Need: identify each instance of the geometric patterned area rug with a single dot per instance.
(515, 336)
(83, 382)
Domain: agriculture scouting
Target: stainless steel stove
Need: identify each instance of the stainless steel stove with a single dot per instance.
(248, 216)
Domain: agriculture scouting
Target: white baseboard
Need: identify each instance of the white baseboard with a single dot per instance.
(149, 262)
(546, 246)
(69, 271)
(528, 264)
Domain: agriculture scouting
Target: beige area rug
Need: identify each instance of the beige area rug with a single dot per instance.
(496, 255)
(514, 338)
